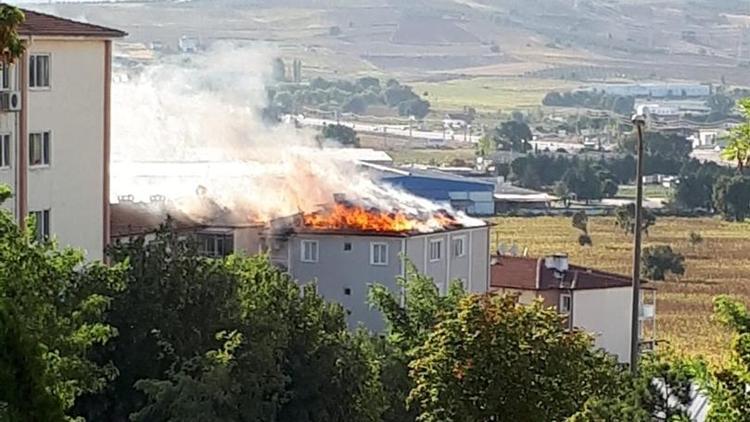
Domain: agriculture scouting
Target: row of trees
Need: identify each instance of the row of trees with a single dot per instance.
(348, 96)
(593, 99)
(165, 334)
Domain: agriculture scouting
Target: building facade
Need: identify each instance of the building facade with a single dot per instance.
(345, 264)
(55, 130)
(594, 301)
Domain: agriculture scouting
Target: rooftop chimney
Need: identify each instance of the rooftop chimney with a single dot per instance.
(557, 262)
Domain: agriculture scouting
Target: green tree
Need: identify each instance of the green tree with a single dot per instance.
(341, 134)
(173, 303)
(288, 356)
(408, 325)
(59, 303)
(25, 395)
(695, 239)
(477, 363)
(658, 260)
(580, 221)
(732, 197)
(728, 387)
(416, 107)
(513, 135)
(738, 149)
(625, 218)
(11, 45)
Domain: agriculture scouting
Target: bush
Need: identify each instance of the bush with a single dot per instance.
(657, 261)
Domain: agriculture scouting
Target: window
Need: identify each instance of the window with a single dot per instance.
(215, 245)
(347, 291)
(347, 246)
(39, 71)
(309, 251)
(41, 224)
(39, 148)
(565, 303)
(459, 244)
(436, 252)
(378, 253)
(5, 77)
(5, 150)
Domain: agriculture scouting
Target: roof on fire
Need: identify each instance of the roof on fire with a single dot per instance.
(42, 24)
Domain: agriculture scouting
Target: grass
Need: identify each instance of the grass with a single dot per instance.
(719, 265)
(649, 191)
(431, 156)
(489, 94)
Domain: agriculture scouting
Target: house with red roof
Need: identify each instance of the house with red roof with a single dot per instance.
(595, 301)
(55, 130)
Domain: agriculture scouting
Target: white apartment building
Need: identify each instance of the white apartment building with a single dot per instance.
(55, 130)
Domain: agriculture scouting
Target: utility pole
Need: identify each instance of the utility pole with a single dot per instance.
(639, 121)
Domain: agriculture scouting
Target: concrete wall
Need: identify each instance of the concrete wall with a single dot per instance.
(606, 314)
(338, 269)
(73, 110)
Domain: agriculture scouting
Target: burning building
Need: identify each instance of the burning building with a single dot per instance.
(347, 248)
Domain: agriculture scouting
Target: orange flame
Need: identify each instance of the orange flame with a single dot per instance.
(351, 217)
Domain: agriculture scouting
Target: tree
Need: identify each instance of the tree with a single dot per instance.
(657, 261)
(625, 218)
(341, 134)
(580, 221)
(738, 149)
(477, 363)
(58, 302)
(728, 387)
(610, 188)
(356, 105)
(695, 239)
(11, 45)
(25, 395)
(513, 135)
(173, 303)
(561, 191)
(285, 354)
(732, 197)
(416, 107)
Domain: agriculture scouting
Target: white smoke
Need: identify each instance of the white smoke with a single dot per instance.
(194, 122)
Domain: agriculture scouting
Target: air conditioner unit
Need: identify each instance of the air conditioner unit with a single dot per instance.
(10, 101)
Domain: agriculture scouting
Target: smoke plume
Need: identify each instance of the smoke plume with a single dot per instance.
(193, 124)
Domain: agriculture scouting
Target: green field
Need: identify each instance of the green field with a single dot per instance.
(649, 191)
(431, 156)
(720, 265)
(489, 94)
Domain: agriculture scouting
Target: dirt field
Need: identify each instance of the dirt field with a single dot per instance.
(720, 265)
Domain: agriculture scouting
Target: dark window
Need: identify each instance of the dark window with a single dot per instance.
(39, 71)
(41, 224)
(39, 145)
(347, 246)
(348, 291)
(215, 245)
(5, 151)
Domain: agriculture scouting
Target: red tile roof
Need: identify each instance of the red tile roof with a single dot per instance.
(531, 274)
(42, 24)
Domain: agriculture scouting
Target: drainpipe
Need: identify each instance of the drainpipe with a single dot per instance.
(22, 156)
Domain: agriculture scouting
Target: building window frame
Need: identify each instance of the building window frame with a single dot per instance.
(347, 246)
(44, 139)
(566, 303)
(309, 251)
(42, 223)
(459, 252)
(37, 81)
(436, 250)
(4, 77)
(379, 253)
(215, 245)
(5, 153)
